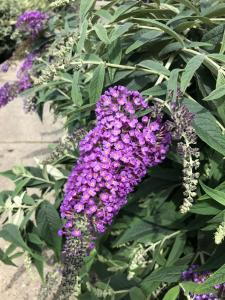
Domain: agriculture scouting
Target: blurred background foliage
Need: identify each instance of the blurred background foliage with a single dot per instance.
(9, 11)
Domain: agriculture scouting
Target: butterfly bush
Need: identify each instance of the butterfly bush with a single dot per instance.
(114, 157)
(31, 22)
(23, 74)
(199, 277)
(5, 67)
(10, 91)
(7, 93)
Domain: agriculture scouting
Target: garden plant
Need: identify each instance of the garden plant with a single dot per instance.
(131, 201)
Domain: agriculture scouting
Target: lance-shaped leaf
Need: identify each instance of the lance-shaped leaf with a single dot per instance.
(96, 84)
(192, 66)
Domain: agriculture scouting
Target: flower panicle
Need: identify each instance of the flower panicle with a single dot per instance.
(186, 148)
(32, 22)
(220, 233)
(66, 145)
(9, 91)
(76, 248)
(60, 3)
(114, 157)
(192, 274)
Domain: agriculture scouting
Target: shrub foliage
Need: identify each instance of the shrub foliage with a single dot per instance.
(167, 50)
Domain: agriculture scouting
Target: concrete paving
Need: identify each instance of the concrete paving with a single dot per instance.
(22, 137)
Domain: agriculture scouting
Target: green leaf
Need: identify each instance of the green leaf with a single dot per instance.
(173, 293)
(222, 49)
(216, 56)
(119, 30)
(20, 185)
(220, 81)
(155, 66)
(161, 26)
(83, 33)
(216, 278)
(139, 229)
(121, 10)
(172, 83)
(9, 174)
(136, 293)
(48, 224)
(85, 6)
(75, 91)
(206, 207)
(192, 287)
(216, 94)
(214, 36)
(215, 11)
(206, 127)
(101, 33)
(189, 4)
(157, 90)
(192, 66)
(39, 264)
(165, 274)
(142, 38)
(34, 238)
(54, 172)
(11, 233)
(115, 56)
(216, 195)
(5, 259)
(96, 84)
(176, 250)
(104, 14)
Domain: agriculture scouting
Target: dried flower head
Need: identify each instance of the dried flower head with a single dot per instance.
(65, 146)
(77, 247)
(185, 134)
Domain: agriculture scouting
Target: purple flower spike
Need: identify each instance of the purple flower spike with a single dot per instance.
(7, 93)
(114, 157)
(199, 277)
(5, 67)
(24, 79)
(32, 22)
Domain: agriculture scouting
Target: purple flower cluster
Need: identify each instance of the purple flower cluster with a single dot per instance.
(32, 22)
(10, 90)
(7, 93)
(5, 67)
(114, 157)
(199, 277)
(24, 79)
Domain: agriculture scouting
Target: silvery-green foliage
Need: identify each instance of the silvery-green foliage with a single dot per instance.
(159, 48)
